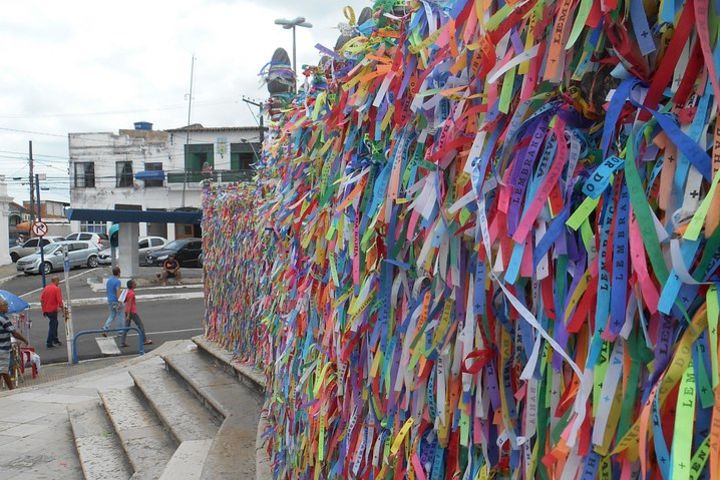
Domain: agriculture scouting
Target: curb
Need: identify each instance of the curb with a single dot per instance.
(100, 286)
(253, 378)
(152, 297)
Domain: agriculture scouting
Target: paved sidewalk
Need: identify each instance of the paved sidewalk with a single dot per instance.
(36, 441)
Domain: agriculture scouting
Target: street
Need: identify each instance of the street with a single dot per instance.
(168, 313)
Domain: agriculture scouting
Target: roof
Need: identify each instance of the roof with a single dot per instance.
(133, 216)
(199, 128)
(19, 207)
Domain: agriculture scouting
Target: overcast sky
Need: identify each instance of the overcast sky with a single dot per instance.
(89, 66)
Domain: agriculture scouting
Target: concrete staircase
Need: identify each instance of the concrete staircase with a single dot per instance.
(189, 415)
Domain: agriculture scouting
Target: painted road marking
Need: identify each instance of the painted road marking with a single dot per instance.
(5, 279)
(107, 346)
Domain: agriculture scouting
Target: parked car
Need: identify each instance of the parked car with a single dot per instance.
(145, 246)
(187, 251)
(99, 239)
(80, 254)
(31, 246)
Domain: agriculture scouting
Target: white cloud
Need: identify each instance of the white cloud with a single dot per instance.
(67, 66)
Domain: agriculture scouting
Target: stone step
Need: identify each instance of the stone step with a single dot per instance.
(146, 443)
(247, 375)
(98, 446)
(187, 462)
(233, 449)
(177, 408)
(220, 389)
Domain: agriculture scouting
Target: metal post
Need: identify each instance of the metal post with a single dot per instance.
(32, 184)
(39, 219)
(294, 53)
(187, 129)
(294, 61)
(69, 328)
(113, 261)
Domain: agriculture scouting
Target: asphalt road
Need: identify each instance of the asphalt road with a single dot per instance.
(169, 315)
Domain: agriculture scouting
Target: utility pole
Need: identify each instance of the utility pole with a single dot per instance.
(260, 123)
(32, 185)
(187, 128)
(39, 219)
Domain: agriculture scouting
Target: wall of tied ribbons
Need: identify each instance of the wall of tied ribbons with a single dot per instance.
(484, 243)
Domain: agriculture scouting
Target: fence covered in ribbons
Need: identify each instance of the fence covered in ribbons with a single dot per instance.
(236, 255)
(494, 247)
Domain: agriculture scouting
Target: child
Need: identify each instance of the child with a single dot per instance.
(131, 313)
(6, 330)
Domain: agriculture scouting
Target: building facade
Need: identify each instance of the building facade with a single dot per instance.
(145, 169)
(49, 209)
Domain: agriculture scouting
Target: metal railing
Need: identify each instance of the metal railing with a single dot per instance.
(141, 339)
(216, 176)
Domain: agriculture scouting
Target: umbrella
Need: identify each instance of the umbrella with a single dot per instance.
(15, 303)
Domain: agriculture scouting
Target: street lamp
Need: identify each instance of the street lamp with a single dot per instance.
(287, 25)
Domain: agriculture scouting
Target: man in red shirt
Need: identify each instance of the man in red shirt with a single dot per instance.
(51, 302)
(131, 314)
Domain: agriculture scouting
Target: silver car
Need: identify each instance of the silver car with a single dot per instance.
(80, 254)
(145, 246)
(31, 246)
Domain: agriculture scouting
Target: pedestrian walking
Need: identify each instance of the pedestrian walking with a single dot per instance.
(113, 299)
(7, 329)
(51, 302)
(131, 314)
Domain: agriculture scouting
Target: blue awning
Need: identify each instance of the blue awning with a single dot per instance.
(150, 175)
(133, 216)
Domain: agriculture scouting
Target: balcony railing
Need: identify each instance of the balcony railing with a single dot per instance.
(221, 177)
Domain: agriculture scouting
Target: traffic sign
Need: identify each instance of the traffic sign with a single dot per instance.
(40, 229)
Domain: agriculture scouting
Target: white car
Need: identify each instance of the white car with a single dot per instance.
(99, 239)
(145, 246)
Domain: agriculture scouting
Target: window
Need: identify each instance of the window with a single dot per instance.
(243, 155)
(94, 227)
(242, 158)
(44, 242)
(31, 243)
(123, 174)
(156, 242)
(85, 236)
(153, 167)
(84, 174)
(143, 244)
(195, 158)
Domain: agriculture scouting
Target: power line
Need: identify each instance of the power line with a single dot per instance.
(221, 101)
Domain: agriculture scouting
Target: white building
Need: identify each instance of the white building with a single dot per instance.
(145, 169)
